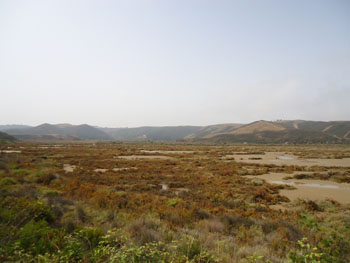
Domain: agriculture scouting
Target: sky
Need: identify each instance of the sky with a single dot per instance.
(165, 62)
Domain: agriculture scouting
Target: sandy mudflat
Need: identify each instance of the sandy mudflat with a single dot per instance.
(68, 168)
(134, 157)
(280, 158)
(166, 152)
(124, 169)
(310, 189)
(101, 170)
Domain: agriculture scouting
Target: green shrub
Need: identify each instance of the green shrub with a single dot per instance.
(306, 253)
(19, 211)
(38, 238)
(8, 181)
(21, 172)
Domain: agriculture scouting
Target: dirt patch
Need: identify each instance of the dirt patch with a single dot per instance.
(69, 168)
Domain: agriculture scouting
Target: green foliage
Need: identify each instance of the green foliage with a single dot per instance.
(335, 247)
(309, 221)
(153, 252)
(174, 202)
(39, 238)
(328, 250)
(306, 253)
(21, 172)
(8, 181)
(18, 211)
(256, 259)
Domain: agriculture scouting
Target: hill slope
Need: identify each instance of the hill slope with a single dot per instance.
(340, 129)
(213, 130)
(4, 138)
(295, 132)
(170, 133)
(292, 136)
(258, 126)
(60, 132)
(288, 131)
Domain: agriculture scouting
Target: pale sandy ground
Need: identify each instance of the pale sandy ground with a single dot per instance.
(124, 169)
(166, 152)
(68, 168)
(280, 158)
(103, 170)
(134, 157)
(10, 151)
(310, 189)
(50, 146)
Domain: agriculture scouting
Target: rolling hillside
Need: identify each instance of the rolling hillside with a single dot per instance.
(290, 136)
(288, 131)
(258, 126)
(60, 132)
(170, 133)
(295, 132)
(339, 129)
(213, 130)
(5, 138)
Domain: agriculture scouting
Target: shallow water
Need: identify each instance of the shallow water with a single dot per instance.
(306, 184)
(309, 189)
(282, 157)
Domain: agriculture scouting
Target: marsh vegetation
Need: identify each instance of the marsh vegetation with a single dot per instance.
(155, 202)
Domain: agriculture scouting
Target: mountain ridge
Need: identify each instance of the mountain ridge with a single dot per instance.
(262, 131)
(60, 132)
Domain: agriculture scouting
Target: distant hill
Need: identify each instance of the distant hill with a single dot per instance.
(60, 132)
(258, 126)
(4, 128)
(290, 136)
(170, 133)
(282, 131)
(46, 137)
(213, 130)
(340, 129)
(5, 138)
(295, 132)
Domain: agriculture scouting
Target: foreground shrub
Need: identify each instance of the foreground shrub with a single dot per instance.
(324, 252)
(145, 230)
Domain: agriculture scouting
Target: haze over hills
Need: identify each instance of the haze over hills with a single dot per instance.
(59, 132)
(282, 131)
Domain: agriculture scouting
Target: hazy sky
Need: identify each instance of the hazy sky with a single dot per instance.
(173, 62)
